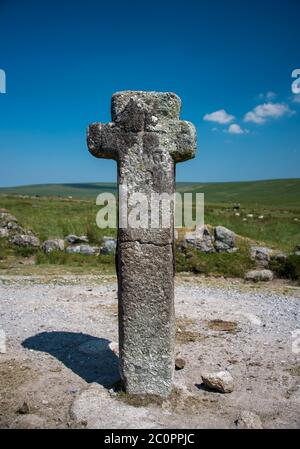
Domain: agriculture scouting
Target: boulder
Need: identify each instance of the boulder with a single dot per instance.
(5, 218)
(259, 275)
(73, 239)
(83, 249)
(53, 245)
(221, 381)
(109, 246)
(260, 253)
(25, 240)
(248, 420)
(224, 240)
(4, 232)
(200, 239)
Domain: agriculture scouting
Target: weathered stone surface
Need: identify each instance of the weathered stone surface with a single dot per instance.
(146, 138)
(25, 240)
(99, 410)
(259, 275)
(53, 245)
(221, 381)
(4, 232)
(5, 218)
(224, 240)
(261, 255)
(248, 420)
(109, 246)
(88, 250)
(201, 239)
(72, 239)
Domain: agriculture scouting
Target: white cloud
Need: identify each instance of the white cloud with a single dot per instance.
(235, 129)
(221, 117)
(268, 96)
(262, 112)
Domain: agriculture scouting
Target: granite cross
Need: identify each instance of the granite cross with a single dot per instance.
(146, 138)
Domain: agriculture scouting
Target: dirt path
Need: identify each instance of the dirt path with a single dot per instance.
(59, 355)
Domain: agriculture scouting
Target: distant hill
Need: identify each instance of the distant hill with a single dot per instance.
(282, 193)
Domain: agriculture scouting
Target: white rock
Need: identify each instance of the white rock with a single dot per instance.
(4, 232)
(259, 275)
(221, 381)
(249, 420)
(53, 245)
(25, 240)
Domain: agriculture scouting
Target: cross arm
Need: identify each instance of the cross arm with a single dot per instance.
(103, 140)
(186, 142)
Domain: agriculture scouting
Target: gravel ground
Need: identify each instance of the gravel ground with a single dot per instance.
(60, 362)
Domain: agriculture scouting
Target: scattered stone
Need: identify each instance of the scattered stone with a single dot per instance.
(248, 420)
(261, 253)
(221, 381)
(259, 275)
(5, 218)
(53, 245)
(109, 246)
(179, 363)
(224, 240)
(24, 409)
(25, 240)
(4, 232)
(83, 249)
(201, 239)
(72, 239)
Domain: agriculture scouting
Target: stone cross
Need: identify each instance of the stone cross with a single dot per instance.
(146, 138)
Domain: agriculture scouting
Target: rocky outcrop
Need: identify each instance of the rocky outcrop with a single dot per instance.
(225, 240)
(53, 245)
(261, 255)
(25, 240)
(200, 239)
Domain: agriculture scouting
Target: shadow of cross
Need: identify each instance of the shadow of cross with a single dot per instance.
(146, 138)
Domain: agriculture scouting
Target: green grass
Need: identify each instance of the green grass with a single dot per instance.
(56, 217)
(217, 264)
(278, 193)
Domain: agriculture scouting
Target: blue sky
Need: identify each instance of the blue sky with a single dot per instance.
(230, 61)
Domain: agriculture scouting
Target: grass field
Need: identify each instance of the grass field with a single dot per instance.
(278, 193)
(53, 214)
